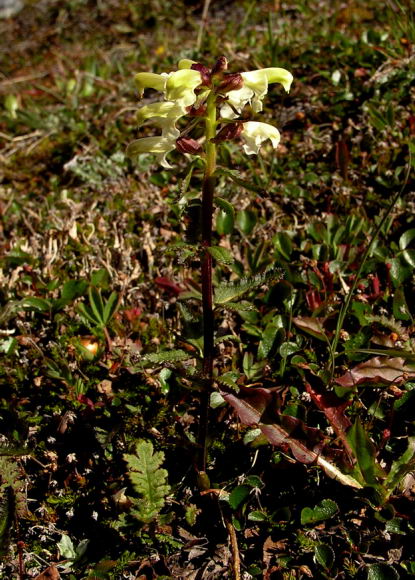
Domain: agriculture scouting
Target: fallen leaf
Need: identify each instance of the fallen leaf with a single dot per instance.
(377, 370)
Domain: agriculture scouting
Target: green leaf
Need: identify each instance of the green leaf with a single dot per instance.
(324, 555)
(66, 548)
(6, 519)
(167, 356)
(242, 306)
(381, 572)
(409, 257)
(35, 303)
(184, 186)
(325, 510)
(96, 303)
(72, 289)
(272, 335)
(111, 306)
(364, 452)
(228, 292)
(148, 479)
(224, 223)
(257, 516)
(288, 348)
(283, 244)
(238, 495)
(225, 206)
(221, 255)
(399, 272)
(406, 238)
(8, 345)
(100, 278)
(400, 467)
(216, 400)
(236, 178)
(87, 314)
(246, 220)
(400, 307)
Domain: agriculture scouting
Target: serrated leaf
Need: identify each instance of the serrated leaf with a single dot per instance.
(242, 306)
(324, 555)
(381, 572)
(148, 479)
(236, 178)
(221, 255)
(228, 292)
(167, 356)
(325, 510)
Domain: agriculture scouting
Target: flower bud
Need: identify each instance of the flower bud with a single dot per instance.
(228, 132)
(220, 66)
(204, 73)
(188, 145)
(231, 82)
(196, 111)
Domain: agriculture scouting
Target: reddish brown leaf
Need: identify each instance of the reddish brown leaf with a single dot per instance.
(311, 325)
(333, 407)
(381, 370)
(168, 285)
(50, 573)
(251, 406)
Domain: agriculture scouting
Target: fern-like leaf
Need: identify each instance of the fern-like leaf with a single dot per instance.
(6, 519)
(167, 356)
(148, 479)
(229, 292)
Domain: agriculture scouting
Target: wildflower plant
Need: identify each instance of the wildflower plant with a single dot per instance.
(201, 109)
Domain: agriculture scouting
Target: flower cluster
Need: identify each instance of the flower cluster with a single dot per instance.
(186, 92)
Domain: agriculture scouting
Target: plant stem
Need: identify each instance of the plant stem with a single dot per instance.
(208, 189)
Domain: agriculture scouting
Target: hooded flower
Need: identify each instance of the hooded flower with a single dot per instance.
(178, 86)
(254, 89)
(254, 134)
(163, 115)
(158, 145)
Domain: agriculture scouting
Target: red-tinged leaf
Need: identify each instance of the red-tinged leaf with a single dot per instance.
(314, 300)
(333, 407)
(251, 406)
(86, 401)
(166, 284)
(278, 436)
(378, 370)
(313, 326)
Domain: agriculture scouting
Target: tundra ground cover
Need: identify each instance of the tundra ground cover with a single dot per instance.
(94, 275)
